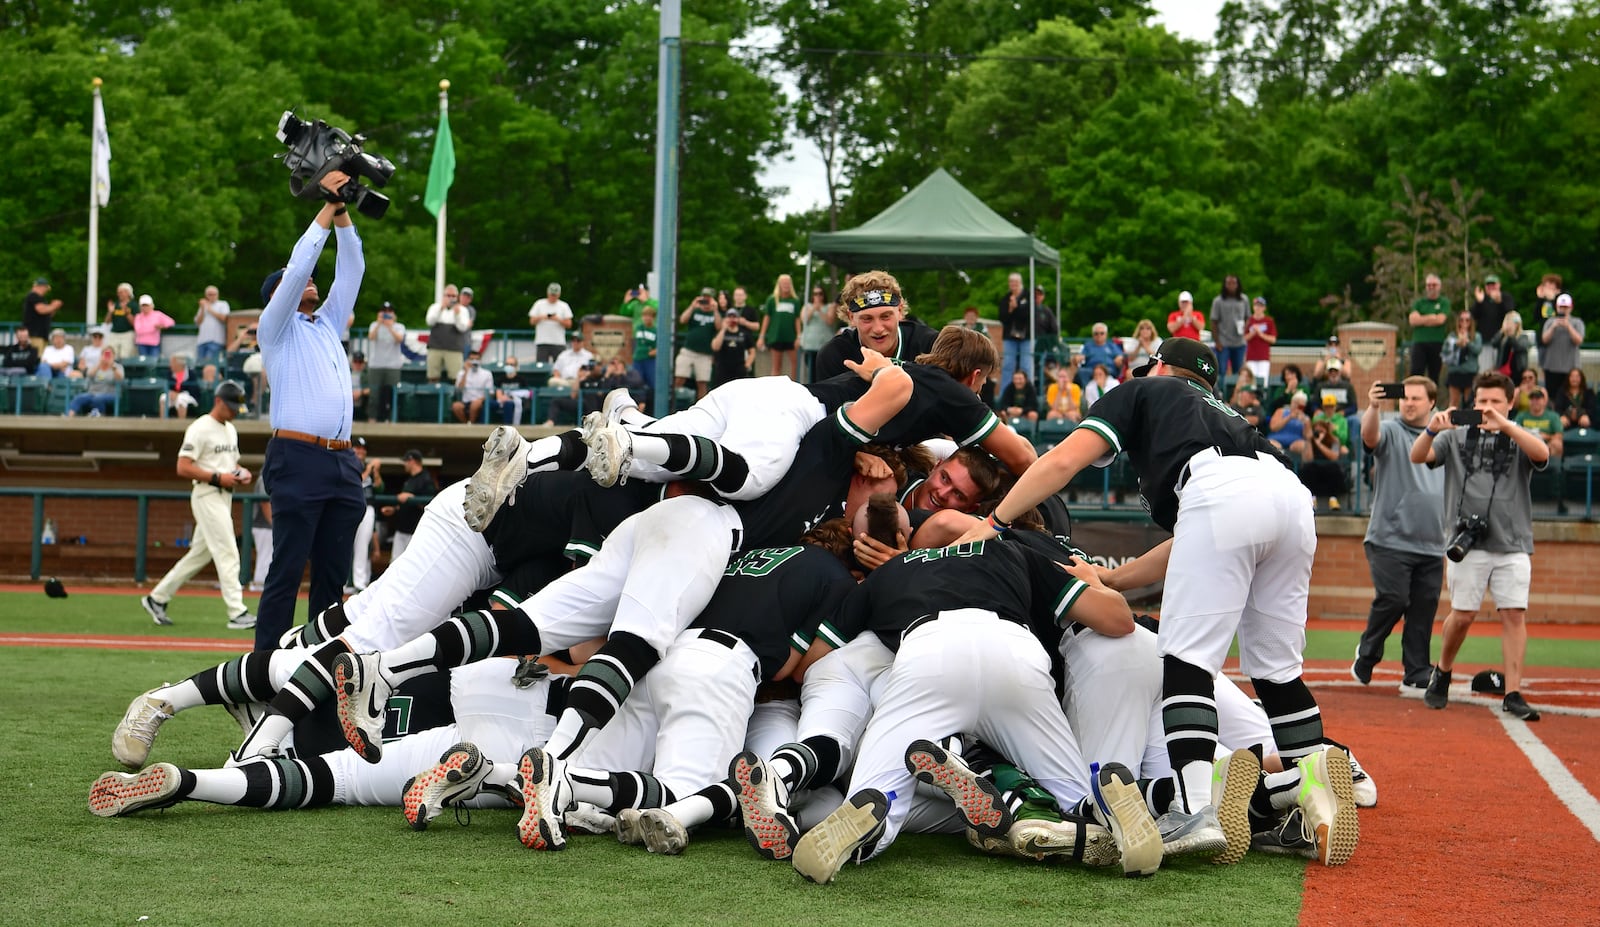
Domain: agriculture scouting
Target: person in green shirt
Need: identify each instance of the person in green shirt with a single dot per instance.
(644, 344)
(1542, 420)
(698, 322)
(1430, 320)
(778, 315)
(635, 300)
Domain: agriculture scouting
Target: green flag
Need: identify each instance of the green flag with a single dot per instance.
(442, 173)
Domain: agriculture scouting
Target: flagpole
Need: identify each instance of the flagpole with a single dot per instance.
(438, 249)
(93, 285)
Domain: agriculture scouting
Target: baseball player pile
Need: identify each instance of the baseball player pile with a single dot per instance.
(827, 614)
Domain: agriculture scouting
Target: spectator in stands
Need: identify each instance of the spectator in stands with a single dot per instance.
(510, 393)
(1047, 328)
(818, 325)
(101, 394)
(1335, 383)
(1330, 351)
(1020, 399)
(1561, 336)
(1324, 473)
(38, 312)
(1016, 329)
(779, 317)
(1542, 421)
(1064, 397)
(183, 389)
(448, 324)
(57, 357)
(635, 301)
(212, 317)
(1527, 383)
(1230, 310)
(360, 386)
(1507, 349)
(1544, 301)
(644, 344)
(418, 489)
(119, 322)
(1145, 343)
(551, 319)
(1290, 427)
(1100, 350)
(89, 357)
(733, 348)
(385, 336)
(1293, 382)
(1248, 404)
(569, 366)
(1100, 383)
(1405, 535)
(749, 316)
(1260, 334)
(1245, 380)
(1186, 321)
(699, 322)
(21, 357)
(471, 341)
(473, 384)
(1575, 402)
(1430, 321)
(564, 410)
(148, 324)
(1490, 306)
(1460, 358)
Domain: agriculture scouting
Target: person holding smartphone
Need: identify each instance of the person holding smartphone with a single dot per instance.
(1488, 468)
(384, 360)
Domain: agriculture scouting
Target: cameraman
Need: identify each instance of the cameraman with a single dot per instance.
(1405, 536)
(310, 471)
(1489, 505)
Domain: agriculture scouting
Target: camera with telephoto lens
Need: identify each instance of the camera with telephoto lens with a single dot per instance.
(316, 148)
(1470, 529)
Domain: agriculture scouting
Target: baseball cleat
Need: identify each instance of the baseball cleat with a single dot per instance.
(136, 732)
(456, 778)
(503, 469)
(610, 453)
(1288, 838)
(1191, 834)
(157, 610)
(663, 833)
(116, 793)
(1117, 796)
(1079, 841)
(629, 827)
(246, 714)
(849, 831)
(1437, 694)
(584, 818)
(617, 402)
(1361, 784)
(1327, 796)
(976, 798)
(363, 696)
(545, 796)
(767, 824)
(1233, 780)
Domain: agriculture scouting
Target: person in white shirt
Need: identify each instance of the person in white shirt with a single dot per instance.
(210, 459)
(570, 363)
(448, 324)
(550, 318)
(212, 317)
(56, 358)
(89, 357)
(474, 384)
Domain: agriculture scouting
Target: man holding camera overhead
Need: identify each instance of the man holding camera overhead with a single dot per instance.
(311, 473)
(1488, 465)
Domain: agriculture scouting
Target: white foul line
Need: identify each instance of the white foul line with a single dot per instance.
(1566, 788)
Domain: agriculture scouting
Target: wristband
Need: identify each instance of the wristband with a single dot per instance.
(1431, 432)
(340, 211)
(996, 524)
(216, 479)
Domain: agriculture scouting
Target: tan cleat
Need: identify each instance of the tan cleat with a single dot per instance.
(136, 733)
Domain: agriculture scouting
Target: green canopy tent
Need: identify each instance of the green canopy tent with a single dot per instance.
(939, 225)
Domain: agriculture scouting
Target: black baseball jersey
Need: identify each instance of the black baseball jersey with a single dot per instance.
(1006, 577)
(417, 705)
(915, 338)
(774, 598)
(564, 513)
(939, 405)
(812, 491)
(1163, 421)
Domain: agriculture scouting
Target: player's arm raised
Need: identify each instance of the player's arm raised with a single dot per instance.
(1044, 479)
(890, 391)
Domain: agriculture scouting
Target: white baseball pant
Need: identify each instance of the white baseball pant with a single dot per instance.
(361, 555)
(212, 542)
(839, 691)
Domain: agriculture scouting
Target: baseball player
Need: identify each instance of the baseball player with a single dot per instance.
(210, 459)
(1239, 563)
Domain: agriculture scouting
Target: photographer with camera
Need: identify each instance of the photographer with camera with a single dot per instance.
(1405, 535)
(700, 323)
(1488, 466)
(310, 471)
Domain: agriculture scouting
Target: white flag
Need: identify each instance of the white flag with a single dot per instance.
(102, 154)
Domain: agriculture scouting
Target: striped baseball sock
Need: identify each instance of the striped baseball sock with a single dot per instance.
(467, 638)
(693, 458)
(812, 762)
(1295, 718)
(325, 627)
(599, 690)
(715, 803)
(264, 783)
(615, 791)
(564, 451)
(239, 681)
(1189, 715)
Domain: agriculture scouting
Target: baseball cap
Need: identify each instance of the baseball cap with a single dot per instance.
(1492, 278)
(358, 441)
(54, 589)
(270, 284)
(707, 291)
(1186, 353)
(1536, 393)
(358, 356)
(1335, 364)
(412, 454)
(1186, 297)
(231, 394)
(40, 281)
(1333, 339)
(1489, 682)
(148, 300)
(1565, 299)
(553, 289)
(387, 305)
(1261, 300)
(96, 332)
(467, 291)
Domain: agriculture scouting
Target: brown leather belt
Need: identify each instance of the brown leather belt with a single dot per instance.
(331, 444)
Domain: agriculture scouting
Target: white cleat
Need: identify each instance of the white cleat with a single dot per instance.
(456, 778)
(117, 793)
(1364, 789)
(1233, 781)
(1327, 796)
(136, 733)
(629, 827)
(976, 798)
(503, 469)
(363, 695)
(610, 453)
(546, 794)
(768, 826)
(663, 833)
(854, 825)
(616, 403)
(1116, 793)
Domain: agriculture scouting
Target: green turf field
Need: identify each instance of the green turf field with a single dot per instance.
(203, 864)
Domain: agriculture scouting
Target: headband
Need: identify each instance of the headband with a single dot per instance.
(872, 299)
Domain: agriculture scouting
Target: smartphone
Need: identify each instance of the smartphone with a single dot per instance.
(1393, 390)
(1466, 417)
